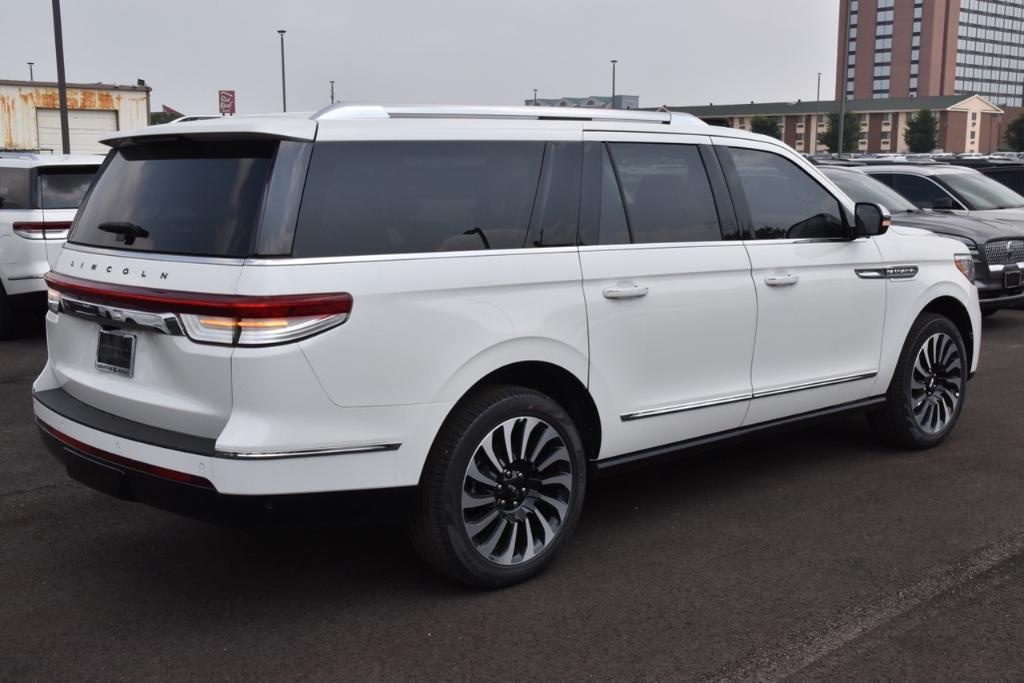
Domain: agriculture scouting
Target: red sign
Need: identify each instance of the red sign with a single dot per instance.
(227, 101)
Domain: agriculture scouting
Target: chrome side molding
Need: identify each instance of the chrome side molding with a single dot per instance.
(309, 452)
(905, 272)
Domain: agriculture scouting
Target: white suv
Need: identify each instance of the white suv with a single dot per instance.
(38, 198)
(479, 306)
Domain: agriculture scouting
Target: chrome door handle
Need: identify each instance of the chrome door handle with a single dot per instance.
(625, 291)
(781, 280)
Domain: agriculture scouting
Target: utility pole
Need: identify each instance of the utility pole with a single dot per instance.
(62, 86)
(817, 117)
(614, 62)
(535, 97)
(842, 75)
(31, 76)
(284, 92)
(332, 92)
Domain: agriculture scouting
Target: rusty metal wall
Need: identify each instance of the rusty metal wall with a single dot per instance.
(18, 105)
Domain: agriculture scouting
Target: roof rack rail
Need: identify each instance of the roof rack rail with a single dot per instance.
(342, 111)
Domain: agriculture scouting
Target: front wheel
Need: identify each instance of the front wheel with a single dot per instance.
(927, 391)
(502, 488)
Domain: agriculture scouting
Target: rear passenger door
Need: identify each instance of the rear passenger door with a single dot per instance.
(819, 324)
(670, 303)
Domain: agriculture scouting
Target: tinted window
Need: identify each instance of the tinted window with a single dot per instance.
(14, 188)
(64, 187)
(980, 193)
(863, 188)
(182, 198)
(614, 229)
(919, 190)
(784, 201)
(408, 197)
(667, 194)
(1012, 178)
(556, 216)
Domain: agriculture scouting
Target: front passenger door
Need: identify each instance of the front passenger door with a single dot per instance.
(819, 325)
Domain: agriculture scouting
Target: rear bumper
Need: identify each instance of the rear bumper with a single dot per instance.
(196, 497)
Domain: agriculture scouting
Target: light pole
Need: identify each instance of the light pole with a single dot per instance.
(31, 76)
(817, 116)
(842, 76)
(284, 92)
(614, 62)
(332, 92)
(62, 86)
(535, 97)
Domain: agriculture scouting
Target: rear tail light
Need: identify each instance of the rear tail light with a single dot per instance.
(215, 318)
(42, 230)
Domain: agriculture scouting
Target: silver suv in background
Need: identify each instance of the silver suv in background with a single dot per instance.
(39, 194)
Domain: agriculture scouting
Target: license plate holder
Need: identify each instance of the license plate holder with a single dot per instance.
(1012, 279)
(115, 353)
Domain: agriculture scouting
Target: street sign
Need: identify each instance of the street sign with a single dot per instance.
(227, 101)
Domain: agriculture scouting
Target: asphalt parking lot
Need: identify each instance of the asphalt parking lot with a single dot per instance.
(814, 555)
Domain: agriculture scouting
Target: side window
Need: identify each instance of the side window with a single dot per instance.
(921, 191)
(666, 191)
(14, 188)
(614, 229)
(406, 197)
(785, 202)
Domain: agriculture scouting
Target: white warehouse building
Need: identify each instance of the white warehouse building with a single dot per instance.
(30, 114)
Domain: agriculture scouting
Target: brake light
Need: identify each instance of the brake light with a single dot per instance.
(217, 318)
(42, 230)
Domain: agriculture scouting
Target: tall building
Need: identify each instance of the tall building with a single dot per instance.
(926, 48)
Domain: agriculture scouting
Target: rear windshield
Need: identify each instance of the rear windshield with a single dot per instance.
(190, 198)
(64, 187)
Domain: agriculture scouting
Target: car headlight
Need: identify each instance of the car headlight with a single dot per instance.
(965, 264)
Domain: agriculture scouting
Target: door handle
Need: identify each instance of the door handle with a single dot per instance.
(781, 280)
(625, 291)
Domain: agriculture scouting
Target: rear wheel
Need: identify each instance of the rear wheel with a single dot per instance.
(502, 488)
(927, 391)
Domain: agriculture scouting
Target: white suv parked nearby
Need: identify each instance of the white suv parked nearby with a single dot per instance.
(39, 194)
(479, 306)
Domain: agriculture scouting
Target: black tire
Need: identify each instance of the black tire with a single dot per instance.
(528, 516)
(922, 405)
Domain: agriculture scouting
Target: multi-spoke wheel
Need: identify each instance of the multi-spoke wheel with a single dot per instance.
(927, 390)
(517, 490)
(502, 488)
(936, 383)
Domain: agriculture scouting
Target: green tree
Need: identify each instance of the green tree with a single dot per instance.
(766, 125)
(1015, 134)
(851, 133)
(922, 134)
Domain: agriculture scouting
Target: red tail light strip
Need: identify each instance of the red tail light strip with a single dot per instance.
(39, 229)
(115, 459)
(198, 303)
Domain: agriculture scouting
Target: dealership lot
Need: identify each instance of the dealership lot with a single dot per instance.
(819, 553)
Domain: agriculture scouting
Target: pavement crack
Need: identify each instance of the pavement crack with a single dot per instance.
(811, 643)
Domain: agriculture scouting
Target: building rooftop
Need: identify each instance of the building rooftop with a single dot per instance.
(81, 86)
(939, 103)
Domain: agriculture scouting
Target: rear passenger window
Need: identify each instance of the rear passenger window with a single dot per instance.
(14, 188)
(921, 191)
(785, 202)
(407, 197)
(666, 191)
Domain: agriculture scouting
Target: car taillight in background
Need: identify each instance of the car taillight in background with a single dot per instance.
(42, 230)
(231, 320)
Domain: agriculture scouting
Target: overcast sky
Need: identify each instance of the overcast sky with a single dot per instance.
(425, 51)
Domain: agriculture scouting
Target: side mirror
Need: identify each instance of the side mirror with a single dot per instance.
(872, 219)
(943, 204)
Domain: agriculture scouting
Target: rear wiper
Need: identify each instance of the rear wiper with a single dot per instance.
(128, 231)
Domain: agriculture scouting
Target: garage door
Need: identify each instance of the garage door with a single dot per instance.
(86, 126)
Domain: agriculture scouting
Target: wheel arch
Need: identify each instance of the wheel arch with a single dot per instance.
(954, 309)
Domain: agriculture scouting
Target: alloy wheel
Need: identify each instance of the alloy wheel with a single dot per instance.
(936, 383)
